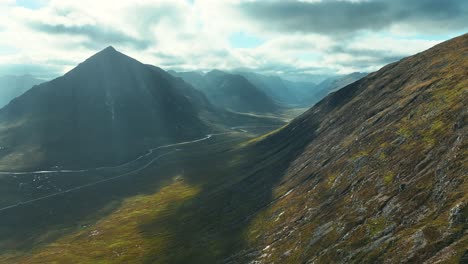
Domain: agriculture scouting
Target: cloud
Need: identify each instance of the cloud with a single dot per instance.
(147, 14)
(288, 38)
(373, 51)
(319, 17)
(344, 17)
(44, 72)
(97, 36)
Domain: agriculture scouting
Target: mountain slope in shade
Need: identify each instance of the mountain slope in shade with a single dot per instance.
(299, 93)
(308, 94)
(13, 86)
(196, 79)
(107, 109)
(379, 174)
(333, 84)
(305, 92)
(230, 91)
(374, 173)
(273, 86)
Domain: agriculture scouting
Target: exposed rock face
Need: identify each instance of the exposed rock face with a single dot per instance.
(459, 213)
(374, 173)
(383, 176)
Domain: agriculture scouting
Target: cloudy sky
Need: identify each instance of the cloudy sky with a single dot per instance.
(293, 39)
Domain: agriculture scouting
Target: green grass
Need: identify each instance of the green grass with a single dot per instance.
(376, 225)
(117, 238)
(169, 213)
(262, 137)
(210, 201)
(388, 177)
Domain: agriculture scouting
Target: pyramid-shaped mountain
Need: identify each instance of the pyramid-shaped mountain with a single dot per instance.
(106, 110)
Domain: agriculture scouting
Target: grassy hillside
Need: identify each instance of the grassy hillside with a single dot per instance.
(154, 216)
(374, 173)
(383, 177)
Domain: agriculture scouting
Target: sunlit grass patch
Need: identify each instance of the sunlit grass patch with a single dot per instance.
(264, 136)
(388, 177)
(119, 238)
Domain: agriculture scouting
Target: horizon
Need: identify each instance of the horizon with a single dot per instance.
(236, 131)
(295, 40)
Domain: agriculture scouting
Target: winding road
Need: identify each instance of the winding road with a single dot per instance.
(149, 152)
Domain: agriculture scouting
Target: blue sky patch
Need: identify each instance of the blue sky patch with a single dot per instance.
(31, 4)
(244, 40)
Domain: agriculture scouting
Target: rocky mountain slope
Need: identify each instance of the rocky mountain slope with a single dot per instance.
(374, 173)
(382, 176)
(107, 109)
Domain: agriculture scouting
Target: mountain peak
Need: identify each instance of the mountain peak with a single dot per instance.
(122, 94)
(109, 49)
(216, 72)
(106, 57)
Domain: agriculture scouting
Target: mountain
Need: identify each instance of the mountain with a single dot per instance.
(283, 92)
(374, 173)
(346, 79)
(308, 94)
(107, 109)
(196, 79)
(12, 86)
(305, 92)
(302, 94)
(335, 83)
(273, 86)
(230, 91)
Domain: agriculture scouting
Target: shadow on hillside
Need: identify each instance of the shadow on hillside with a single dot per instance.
(235, 184)
(211, 227)
(43, 221)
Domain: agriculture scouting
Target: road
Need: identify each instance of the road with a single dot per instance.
(149, 152)
(146, 165)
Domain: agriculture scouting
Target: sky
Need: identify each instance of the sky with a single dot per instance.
(297, 40)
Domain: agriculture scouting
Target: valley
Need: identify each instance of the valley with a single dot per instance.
(168, 173)
(332, 157)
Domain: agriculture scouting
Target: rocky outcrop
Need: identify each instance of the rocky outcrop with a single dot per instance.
(382, 178)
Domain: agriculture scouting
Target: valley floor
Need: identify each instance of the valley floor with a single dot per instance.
(166, 207)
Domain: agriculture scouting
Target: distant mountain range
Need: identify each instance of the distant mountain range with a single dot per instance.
(12, 86)
(335, 83)
(111, 107)
(375, 172)
(283, 93)
(230, 91)
(274, 86)
(107, 109)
